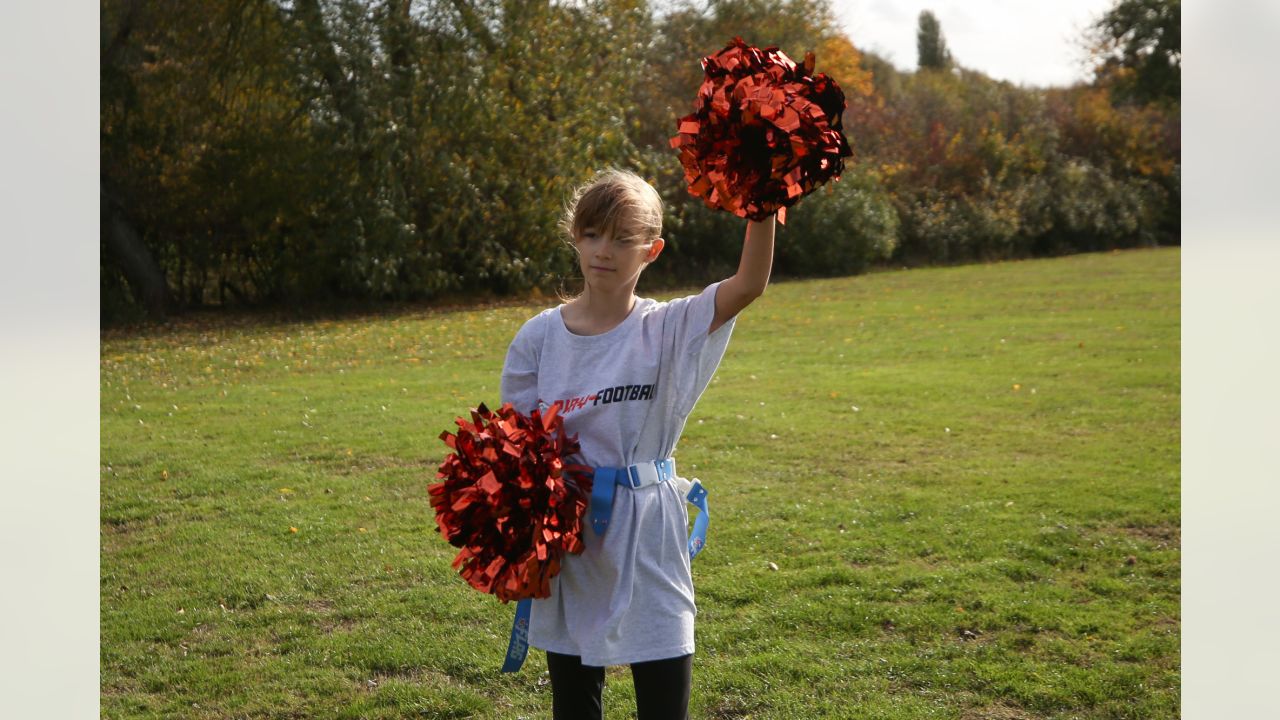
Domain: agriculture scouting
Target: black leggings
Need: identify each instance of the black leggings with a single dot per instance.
(662, 688)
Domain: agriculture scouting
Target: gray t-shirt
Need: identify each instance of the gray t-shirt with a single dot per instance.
(626, 394)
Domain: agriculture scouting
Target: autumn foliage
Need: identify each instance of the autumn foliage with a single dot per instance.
(265, 153)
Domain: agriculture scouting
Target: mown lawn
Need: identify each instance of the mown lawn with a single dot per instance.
(967, 479)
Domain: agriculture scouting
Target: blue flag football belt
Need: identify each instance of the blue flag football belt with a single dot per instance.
(606, 480)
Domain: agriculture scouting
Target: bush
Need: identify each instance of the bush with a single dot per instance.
(1079, 207)
(838, 230)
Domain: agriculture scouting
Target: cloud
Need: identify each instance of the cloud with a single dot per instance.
(1035, 42)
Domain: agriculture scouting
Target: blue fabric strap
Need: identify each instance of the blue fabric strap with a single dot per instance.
(698, 538)
(518, 648)
(602, 491)
(606, 478)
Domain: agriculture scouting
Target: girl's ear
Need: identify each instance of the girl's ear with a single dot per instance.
(655, 249)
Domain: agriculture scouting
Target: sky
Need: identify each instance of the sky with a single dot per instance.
(1027, 42)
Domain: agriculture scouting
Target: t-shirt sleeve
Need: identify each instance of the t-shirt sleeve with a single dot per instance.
(697, 352)
(520, 370)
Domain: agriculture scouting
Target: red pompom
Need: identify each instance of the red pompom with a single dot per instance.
(763, 134)
(511, 500)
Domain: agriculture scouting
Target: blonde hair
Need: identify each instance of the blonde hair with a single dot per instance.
(613, 200)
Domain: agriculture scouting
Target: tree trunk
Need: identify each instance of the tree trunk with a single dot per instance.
(146, 281)
(345, 97)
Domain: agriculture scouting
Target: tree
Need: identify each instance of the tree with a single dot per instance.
(1138, 45)
(931, 46)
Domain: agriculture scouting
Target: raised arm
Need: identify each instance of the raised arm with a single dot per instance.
(737, 292)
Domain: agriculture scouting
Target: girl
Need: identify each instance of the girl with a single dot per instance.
(626, 371)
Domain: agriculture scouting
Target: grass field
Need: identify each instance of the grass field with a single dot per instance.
(967, 479)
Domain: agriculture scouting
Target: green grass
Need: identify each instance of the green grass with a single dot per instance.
(968, 479)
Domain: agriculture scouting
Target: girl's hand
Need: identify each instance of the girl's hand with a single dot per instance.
(740, 290)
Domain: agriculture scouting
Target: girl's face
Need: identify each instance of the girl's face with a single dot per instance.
(614, 261)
